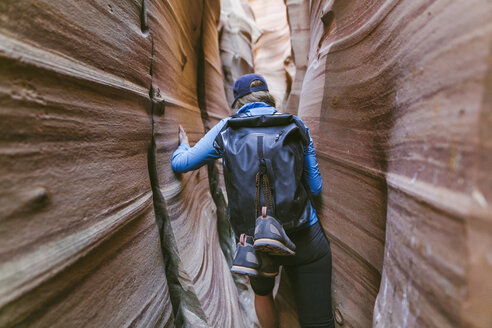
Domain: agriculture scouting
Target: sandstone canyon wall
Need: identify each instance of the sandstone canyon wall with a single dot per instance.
(238, 33)
(96, 230)
(273, 50)
(397, 95)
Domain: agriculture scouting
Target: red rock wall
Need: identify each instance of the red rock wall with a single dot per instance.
(273, 50)
(96, 230)
(238, 32)
(79, 243)
(397, 98)
(298, 18)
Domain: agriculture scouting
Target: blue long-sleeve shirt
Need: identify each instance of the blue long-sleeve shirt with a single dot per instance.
(187, 158)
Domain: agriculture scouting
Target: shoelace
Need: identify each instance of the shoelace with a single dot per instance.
(266, 191)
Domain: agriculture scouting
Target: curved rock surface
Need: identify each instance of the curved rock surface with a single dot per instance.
(298, 17)
(397, 98)
(78, 241)
(273, 50)
(238, 33)
(96, 229)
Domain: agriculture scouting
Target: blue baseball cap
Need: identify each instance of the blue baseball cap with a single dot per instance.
(241, 86)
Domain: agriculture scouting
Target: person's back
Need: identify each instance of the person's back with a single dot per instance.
(248, 170)
(271, 144)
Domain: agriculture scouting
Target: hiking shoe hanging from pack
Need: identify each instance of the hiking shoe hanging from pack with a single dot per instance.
(250, 262)
(245, 260)
(270, 236)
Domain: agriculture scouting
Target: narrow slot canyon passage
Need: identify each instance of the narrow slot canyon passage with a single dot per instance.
(96, 230)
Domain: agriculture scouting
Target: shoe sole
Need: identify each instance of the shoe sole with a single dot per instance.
(268, 274)
(273, 247)
(245, 270)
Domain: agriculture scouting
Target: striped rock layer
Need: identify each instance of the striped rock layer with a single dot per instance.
(96, 230)
(397, 97)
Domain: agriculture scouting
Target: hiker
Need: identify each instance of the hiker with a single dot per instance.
(272, 180)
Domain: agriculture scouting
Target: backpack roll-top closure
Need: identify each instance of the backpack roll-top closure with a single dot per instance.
(272, 146)
(268, 120)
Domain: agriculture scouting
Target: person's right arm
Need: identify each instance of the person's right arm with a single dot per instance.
(187, 158)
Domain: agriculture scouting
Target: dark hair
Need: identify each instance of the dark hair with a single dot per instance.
(263, 96)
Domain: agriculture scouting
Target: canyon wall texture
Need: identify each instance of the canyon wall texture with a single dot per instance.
(273, 50)
(397, 96)
(298, 17)
(79, 243)
(238, 33)
(96, 230)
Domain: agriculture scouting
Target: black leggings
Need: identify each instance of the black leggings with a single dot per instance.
(309, 272)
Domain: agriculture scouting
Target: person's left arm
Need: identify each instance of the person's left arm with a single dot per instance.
(311, 169)
(311, 174)
(186, 158)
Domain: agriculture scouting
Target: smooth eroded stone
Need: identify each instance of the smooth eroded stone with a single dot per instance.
(298, 18)
(203, 291)
(79, 244)
(394, 95)
(238, 32)
(273, 50)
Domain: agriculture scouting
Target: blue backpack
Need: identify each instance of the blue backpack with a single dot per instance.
(264, 152)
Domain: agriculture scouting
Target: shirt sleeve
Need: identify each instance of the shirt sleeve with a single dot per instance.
(186, 158)
(312, 175)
